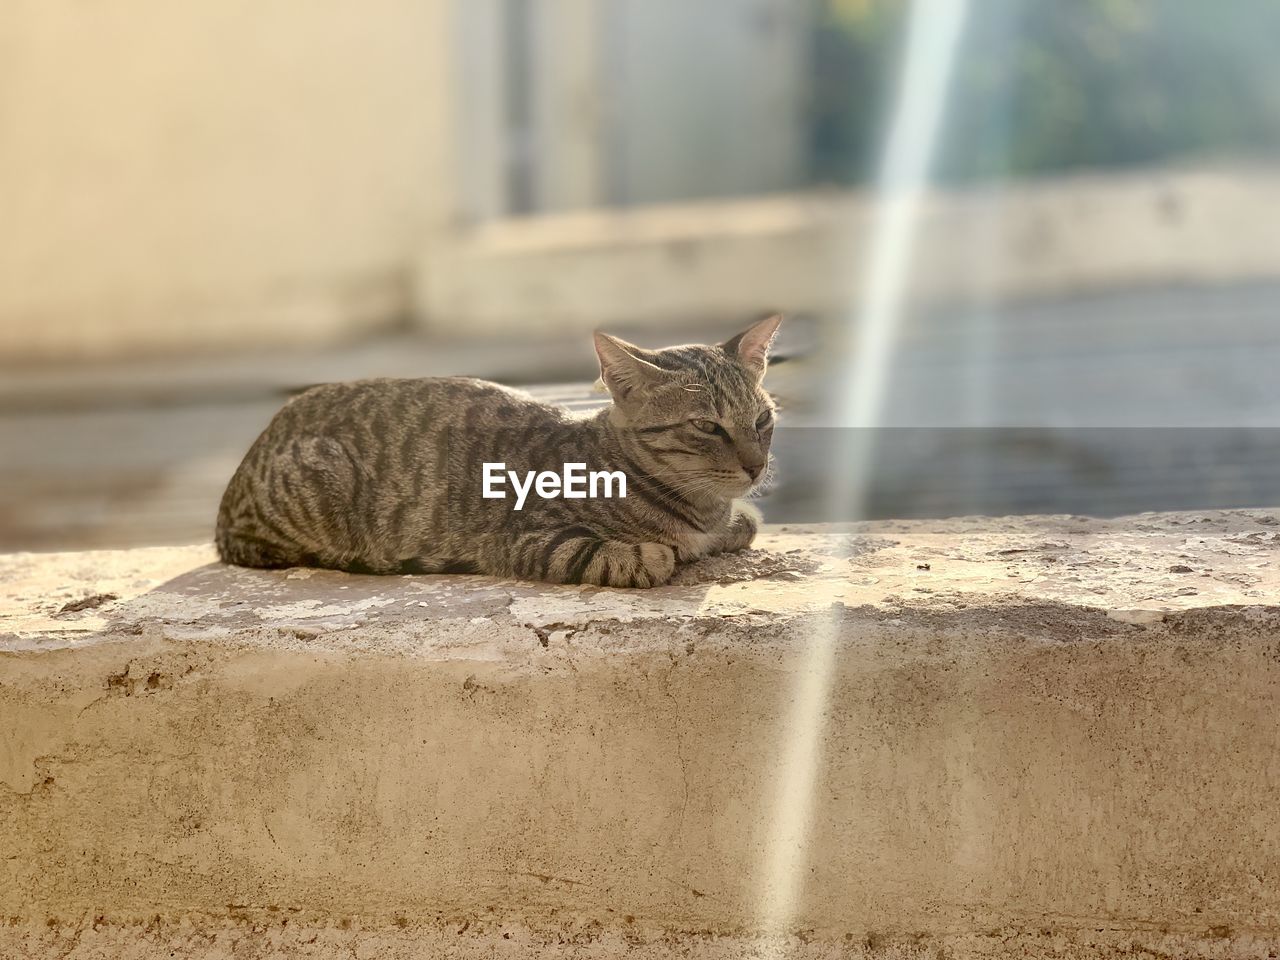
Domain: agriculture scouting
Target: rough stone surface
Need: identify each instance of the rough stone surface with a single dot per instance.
(1044, 736)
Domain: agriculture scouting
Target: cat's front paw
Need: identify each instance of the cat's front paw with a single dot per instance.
(743, 526)
(655, 563)
(658, 562)
(634, 565)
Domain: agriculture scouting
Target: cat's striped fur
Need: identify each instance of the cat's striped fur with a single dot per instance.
(385, 476)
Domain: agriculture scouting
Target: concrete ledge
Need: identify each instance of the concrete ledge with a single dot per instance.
(1045, 736)
(807, 252)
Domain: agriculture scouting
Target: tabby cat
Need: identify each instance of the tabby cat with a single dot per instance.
(384, 476)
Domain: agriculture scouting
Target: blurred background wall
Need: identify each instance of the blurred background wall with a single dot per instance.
(229, 174)
(222, 173)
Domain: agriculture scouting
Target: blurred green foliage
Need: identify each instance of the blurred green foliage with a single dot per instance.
(1052, 85)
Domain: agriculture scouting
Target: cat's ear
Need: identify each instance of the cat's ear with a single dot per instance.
(751, 347)
(623, 369)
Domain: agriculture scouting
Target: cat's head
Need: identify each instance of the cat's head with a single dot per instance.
(699, 411)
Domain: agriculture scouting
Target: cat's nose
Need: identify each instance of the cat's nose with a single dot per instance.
(754, 469)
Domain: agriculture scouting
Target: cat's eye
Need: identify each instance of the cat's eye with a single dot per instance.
(706, 426)
(764, 419)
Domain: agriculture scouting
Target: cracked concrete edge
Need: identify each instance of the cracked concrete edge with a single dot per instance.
(1134, 570)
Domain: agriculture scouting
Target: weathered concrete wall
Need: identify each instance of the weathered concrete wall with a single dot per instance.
(1044, 736)
(215, 174)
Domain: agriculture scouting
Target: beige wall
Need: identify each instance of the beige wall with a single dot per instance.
(194, 173)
